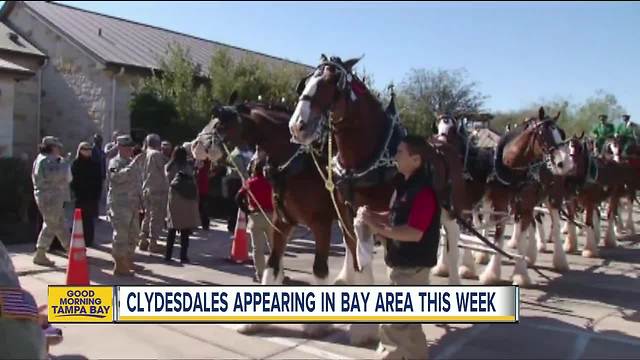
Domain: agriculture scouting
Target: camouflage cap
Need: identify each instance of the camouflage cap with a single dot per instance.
(51, 140)
(125, 140)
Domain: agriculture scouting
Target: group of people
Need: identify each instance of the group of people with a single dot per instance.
(625, 131)
(156, 180)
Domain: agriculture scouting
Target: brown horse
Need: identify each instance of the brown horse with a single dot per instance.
(524, 170)
(366, 136)
(628, 155)
(299, 192)
(595, 180)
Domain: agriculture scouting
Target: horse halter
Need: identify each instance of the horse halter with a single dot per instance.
(343, 86)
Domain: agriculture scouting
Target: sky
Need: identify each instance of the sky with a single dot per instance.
(518, 53)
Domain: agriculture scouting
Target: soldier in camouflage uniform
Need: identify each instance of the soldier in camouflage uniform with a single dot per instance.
(155, 190)
(50, 178)
(626, 132)
(602, 132)
(124, 201)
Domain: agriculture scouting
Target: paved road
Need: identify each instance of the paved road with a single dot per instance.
(590, 312)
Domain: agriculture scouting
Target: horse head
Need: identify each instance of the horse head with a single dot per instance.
(447, 125)
(540, 138)
(223, 129)
(324, 93)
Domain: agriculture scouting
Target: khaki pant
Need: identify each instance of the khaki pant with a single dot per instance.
(260, 231)
(404, 341)
(53, 224)
(155, 207)
(125, 231)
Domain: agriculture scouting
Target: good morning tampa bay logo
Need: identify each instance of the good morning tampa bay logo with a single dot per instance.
(80, 303)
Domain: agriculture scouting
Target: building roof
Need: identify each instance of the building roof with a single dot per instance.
(117, 41)
(8, 66)
(11, 41)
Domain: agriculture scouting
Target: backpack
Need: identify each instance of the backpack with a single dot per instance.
(185, 185)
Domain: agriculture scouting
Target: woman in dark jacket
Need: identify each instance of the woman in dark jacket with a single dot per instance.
(183, 202)
(86, 186)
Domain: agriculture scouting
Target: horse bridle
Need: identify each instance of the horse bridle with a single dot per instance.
(345, 77)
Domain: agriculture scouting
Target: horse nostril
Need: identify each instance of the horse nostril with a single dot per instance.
(560, 164)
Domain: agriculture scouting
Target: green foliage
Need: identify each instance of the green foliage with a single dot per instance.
(176, 102)
(426, 93)
(252, 79)
(574, 118)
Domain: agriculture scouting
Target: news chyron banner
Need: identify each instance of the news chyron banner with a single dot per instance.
(284, 304)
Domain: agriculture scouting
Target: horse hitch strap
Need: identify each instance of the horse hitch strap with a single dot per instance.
(244, 182)
(475, 232)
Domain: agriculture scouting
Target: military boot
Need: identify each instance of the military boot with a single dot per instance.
(121, 267)
(40, 258)
(144, 244)
(154, 247)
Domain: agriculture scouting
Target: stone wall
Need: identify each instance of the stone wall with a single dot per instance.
(26, 105)
(76, 89)
(6, 115)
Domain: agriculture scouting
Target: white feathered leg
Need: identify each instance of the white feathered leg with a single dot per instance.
(559, 257)
(590, 249)
(540, 237)
(532, 249)
(520, 273)
(360, 334)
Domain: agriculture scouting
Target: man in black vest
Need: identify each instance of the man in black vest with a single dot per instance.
(412, 231)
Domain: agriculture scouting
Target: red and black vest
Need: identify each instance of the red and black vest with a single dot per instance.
(413, 254)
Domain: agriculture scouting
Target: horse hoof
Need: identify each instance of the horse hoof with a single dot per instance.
(248, 329)
(363, 334)
(340, 282)
(467, 273)
(482, 258)
(440, 270)
(489, 278)
(530, 261)
(542, 248)
(560, 264)
(589, 253)
(316, 330)
(569, 248)
(522, 281)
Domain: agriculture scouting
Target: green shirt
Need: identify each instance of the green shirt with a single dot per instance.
(625, 131)
(604, 131)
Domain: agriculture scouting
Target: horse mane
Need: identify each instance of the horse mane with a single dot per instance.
(274, 113)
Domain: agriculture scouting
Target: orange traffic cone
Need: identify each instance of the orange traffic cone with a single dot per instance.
(239, 247)
(78, 268)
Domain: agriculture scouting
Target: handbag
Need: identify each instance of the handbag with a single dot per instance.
(185, 185)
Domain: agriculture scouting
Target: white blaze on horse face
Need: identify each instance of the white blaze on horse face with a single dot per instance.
(615, 149)
(557, 137)
(444, 125)
(302, 114)
(562, 162)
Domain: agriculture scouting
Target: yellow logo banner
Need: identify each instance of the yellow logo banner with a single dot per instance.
(80, 304)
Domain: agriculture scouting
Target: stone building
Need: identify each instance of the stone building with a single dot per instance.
(73, 71)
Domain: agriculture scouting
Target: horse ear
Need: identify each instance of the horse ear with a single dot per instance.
(233, 97)
(349, 64)
(301, 85)
(323, 58)
(215, 111)
(582, 135)
(555, 118)
(434, 127)
(541, 113)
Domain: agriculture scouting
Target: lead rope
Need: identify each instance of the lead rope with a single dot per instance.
(329, 184)
(237, 169)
